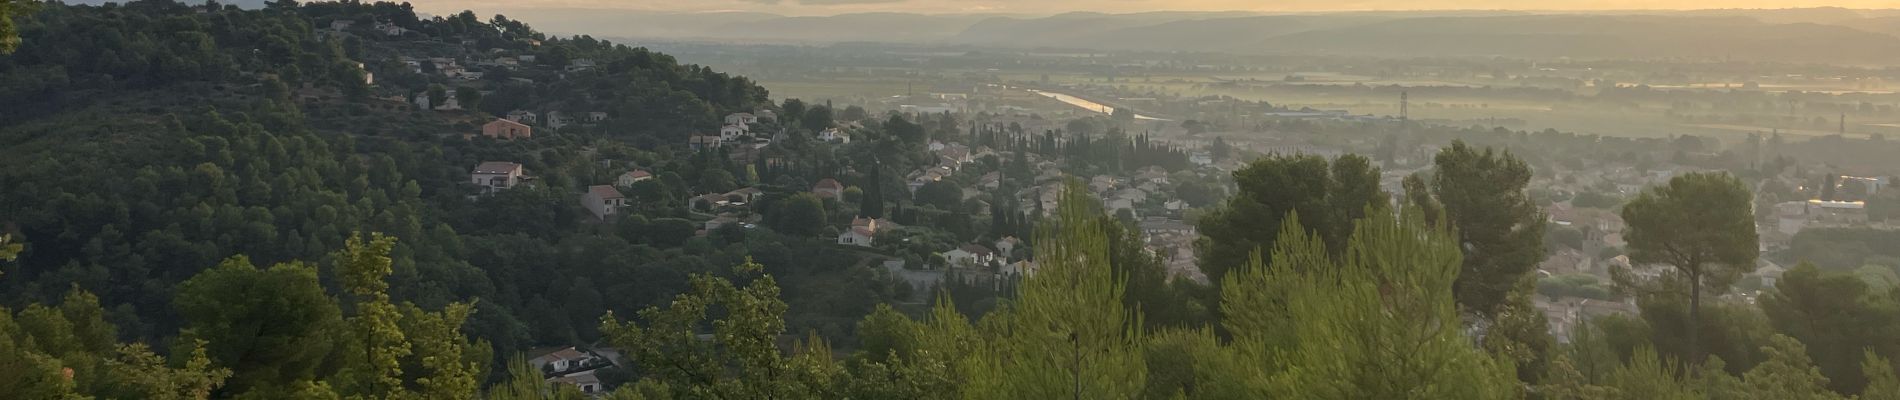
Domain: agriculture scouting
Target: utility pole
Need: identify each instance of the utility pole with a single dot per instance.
(1405, 114)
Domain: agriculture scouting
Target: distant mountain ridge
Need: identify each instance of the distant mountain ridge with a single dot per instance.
(1830, 35)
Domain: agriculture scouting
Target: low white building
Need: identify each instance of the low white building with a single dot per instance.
(603, 200)
(496, 175)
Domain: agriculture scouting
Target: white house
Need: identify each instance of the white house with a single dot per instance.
(833, 135)
(585, 381)
(603, 201)
(969, 255)
(496, 175)
(862, 231)
(856, 236)
(560, 361)
(731, 133)
(631, 177)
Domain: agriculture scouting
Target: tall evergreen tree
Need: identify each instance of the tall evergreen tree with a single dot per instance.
(1379, 323)
(1702, 224)
(873, 204)
(1501, 231)
(1067, 335)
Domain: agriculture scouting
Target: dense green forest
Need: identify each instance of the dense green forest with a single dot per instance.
(210, 202)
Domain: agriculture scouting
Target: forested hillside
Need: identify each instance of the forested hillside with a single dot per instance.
(146, 142)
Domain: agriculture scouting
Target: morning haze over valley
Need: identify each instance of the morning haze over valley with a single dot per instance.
(950, 199)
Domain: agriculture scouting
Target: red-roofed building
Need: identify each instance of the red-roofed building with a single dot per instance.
(631, 177)
(828, 189)
(505, 129)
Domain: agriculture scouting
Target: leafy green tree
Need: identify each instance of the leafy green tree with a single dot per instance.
(1191, 364)
(1521, 333)
(1564, 382)
(377, 344)
(817, 118)
(468, 97)
(1066, 335)
(945, 195)
(438, 94)
(1379, 323)
(717, 180)
(1483, 196)
(802, 214)
(1702, 224)
(1838, 317)
(1788, 374)
(396, 351)
(1327, 197)
(739, 358)
(268, 325)
(1882, 382)
(8, 249)
(9, 33)
(1649, 376)
(873, 204)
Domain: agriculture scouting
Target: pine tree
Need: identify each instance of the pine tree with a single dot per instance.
(1067, 335)
(1379, 323)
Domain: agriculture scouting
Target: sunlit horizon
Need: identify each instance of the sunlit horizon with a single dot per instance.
(1051, 7)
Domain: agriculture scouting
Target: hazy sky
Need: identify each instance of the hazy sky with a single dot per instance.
(827, 7)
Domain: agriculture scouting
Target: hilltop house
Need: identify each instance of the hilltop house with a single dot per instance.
(863, 231)
(603, 201)
(631, 177)
(496, 175)
(828, 189)
(506, 129)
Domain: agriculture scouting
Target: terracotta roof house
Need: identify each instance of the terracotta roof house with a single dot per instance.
(828, 189)
(631, 177)
(585, 381)
(505, 129)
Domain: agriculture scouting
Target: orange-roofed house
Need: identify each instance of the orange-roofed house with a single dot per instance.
(505, 129)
